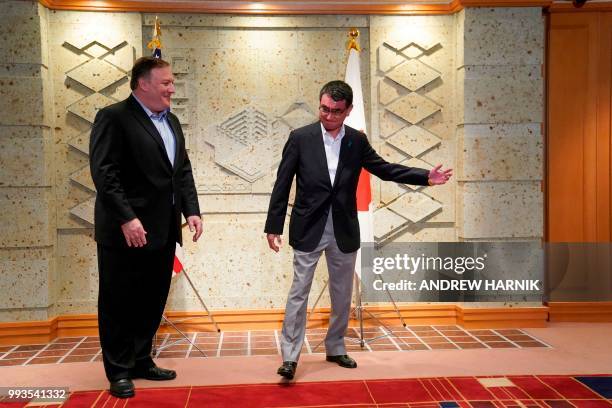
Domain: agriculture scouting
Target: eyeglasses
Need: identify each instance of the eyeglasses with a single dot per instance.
(334, 112)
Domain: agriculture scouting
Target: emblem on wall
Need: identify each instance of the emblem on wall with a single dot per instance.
(248, 145)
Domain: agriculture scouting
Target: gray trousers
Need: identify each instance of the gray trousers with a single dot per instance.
(340, 268)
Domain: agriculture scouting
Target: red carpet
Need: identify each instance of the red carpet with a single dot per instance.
(453, 392)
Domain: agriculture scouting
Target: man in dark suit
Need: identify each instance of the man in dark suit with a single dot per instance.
(327, 158)
(144, 183)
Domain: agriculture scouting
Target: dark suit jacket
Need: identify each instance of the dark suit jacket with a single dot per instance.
(304, 157)
(134, 178)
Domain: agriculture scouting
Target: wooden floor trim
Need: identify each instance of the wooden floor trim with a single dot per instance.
(580, 311)
(230, 320)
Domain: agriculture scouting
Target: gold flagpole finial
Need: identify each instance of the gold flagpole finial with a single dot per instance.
(157, 29)
(155, 43)
(352, 42)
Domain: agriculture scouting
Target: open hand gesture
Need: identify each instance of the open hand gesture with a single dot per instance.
(438, 176)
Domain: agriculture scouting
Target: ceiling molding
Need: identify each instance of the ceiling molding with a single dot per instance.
(276, 7)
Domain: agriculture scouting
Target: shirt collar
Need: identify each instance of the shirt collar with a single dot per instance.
(331, 139)
(161, 115)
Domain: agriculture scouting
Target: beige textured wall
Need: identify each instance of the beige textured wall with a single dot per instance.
(27, 219)
(500, 106)
(500, 160)
(433, 95)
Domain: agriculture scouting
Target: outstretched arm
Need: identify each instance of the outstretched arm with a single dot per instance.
(400, 173)
(384, 170)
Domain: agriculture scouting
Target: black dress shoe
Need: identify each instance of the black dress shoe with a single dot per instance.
(343, 361)
(287, 370)
(154, 373)
(123, 388)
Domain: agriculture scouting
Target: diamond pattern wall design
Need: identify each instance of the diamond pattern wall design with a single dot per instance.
(389, 58)
(249, 143)
(415, 206)
(85, 210)
(105, 67)
(387, 222)
(390, 191)
(404, 105)
(298, 115)
(413, 49)
(414, 162)
(81, 143)
(87, 107)
(83, 178)
(413, 75)
(96, 74)
(388, 92)
(96, 50)
(414, 140)
(85, 41)
(122, 57)
(391, 154)
(413, 107)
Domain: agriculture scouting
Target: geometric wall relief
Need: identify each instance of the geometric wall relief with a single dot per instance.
(414, 206)
(403, 106)
(86, 108)
(180, 60)
(413, 140)
(391, 53)
(107, 64)
(413, 75)
(248, 145)
(413, 107)
(85, 210)
(81, 142)
(96, 74)
(243, 144)
(416, 162)
(83, 178)
(298, 114)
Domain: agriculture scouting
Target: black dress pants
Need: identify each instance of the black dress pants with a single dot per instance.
(134, 285)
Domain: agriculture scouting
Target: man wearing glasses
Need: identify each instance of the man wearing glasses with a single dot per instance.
(327, 158)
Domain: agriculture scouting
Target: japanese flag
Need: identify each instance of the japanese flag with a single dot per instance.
(177, 267)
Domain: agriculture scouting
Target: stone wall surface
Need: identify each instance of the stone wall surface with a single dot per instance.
(464, 90)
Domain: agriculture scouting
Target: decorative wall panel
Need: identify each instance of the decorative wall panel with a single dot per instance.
(407, 108)
(96, 75)
(90, 56)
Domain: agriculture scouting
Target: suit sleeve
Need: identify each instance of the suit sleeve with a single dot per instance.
(277, 210)
(105, 164)
(189, 193)
(384, 170)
